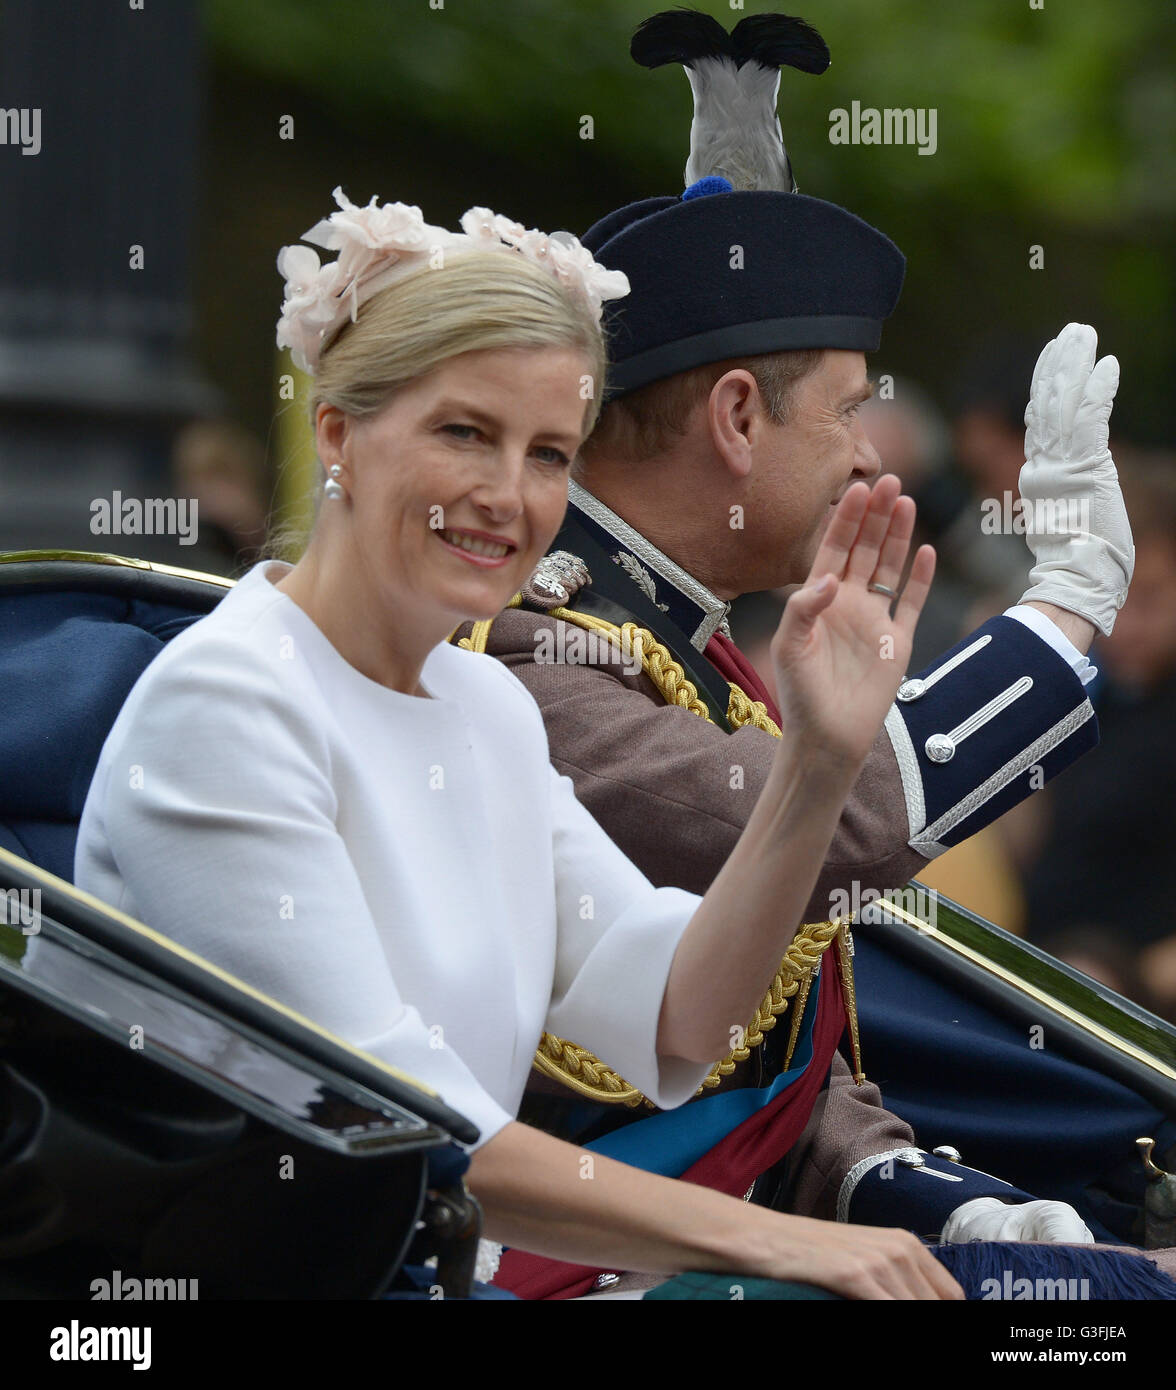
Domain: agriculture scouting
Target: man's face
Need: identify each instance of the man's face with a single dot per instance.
(801, 469)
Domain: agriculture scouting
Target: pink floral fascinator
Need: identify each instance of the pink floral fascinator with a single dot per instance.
(379, 245)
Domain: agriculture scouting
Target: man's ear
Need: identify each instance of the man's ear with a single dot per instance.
(733, 411)
(332, 428)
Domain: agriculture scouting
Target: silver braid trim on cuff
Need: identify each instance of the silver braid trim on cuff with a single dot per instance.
(859, 1170)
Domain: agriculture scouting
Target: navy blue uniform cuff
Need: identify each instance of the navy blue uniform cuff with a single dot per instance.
(982, 727)
(919, 1199)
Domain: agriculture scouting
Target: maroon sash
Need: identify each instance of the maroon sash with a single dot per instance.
(731, 1166)
(732, 665)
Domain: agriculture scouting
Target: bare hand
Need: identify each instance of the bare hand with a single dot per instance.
(861, 1261)
(534, 1197)
(839, 655)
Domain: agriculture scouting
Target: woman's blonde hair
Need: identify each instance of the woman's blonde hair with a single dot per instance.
(477, 301)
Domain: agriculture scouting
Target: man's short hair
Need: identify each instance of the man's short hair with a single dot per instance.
(648, 421)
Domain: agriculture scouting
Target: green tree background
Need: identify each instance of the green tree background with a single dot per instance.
(1055, 128)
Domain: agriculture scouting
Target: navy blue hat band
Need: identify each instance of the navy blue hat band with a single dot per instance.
(845, 331)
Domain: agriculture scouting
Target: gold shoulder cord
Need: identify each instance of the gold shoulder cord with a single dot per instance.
(576, 1067)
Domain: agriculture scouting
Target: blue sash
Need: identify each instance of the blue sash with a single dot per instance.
(671, 1141)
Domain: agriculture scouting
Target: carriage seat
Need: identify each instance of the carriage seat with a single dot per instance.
(76, 633)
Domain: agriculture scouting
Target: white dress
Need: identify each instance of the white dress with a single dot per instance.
(410, 873)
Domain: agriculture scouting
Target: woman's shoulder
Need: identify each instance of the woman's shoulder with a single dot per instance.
(492, 700)
(241, 633)
(455, 672)
(227, 668)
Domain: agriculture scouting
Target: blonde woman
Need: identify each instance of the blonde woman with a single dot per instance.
(342, 809)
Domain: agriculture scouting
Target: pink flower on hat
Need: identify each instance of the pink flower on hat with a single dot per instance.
(377, 242)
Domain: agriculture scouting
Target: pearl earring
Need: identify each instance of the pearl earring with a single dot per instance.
(333, 490)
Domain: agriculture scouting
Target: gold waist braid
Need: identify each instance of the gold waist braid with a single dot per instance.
(576, 1067)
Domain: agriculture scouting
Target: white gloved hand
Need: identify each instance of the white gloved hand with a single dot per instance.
(1069, 475)
(988, 1218)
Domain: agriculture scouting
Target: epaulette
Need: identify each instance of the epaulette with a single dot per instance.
(555, 581)
(561, 581)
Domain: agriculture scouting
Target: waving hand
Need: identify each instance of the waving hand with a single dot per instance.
(839, 654)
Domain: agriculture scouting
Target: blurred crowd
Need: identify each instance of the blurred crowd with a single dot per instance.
(222, 467)
(1086, 867)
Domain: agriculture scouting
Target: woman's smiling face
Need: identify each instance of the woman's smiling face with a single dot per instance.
(459, 485)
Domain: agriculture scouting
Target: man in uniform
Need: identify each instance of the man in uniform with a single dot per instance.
(737, 365)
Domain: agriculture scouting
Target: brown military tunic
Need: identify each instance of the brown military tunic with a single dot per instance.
(675, 792)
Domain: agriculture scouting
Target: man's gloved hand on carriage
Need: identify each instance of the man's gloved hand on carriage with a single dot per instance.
(989, 1218)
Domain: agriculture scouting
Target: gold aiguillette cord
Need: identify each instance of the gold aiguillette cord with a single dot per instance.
(848, 993)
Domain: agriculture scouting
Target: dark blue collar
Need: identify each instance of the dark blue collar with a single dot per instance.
(687, 603)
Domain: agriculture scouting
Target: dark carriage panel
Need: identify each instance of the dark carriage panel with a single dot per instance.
(1032, 1070)
(146, 1130)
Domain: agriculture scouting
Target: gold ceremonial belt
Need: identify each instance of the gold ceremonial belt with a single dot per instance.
(581, 1070)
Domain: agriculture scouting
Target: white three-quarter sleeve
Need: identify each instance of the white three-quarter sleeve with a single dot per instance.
(617, 938)
(219, 816)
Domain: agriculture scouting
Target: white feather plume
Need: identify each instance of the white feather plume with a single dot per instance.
(736, 132)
